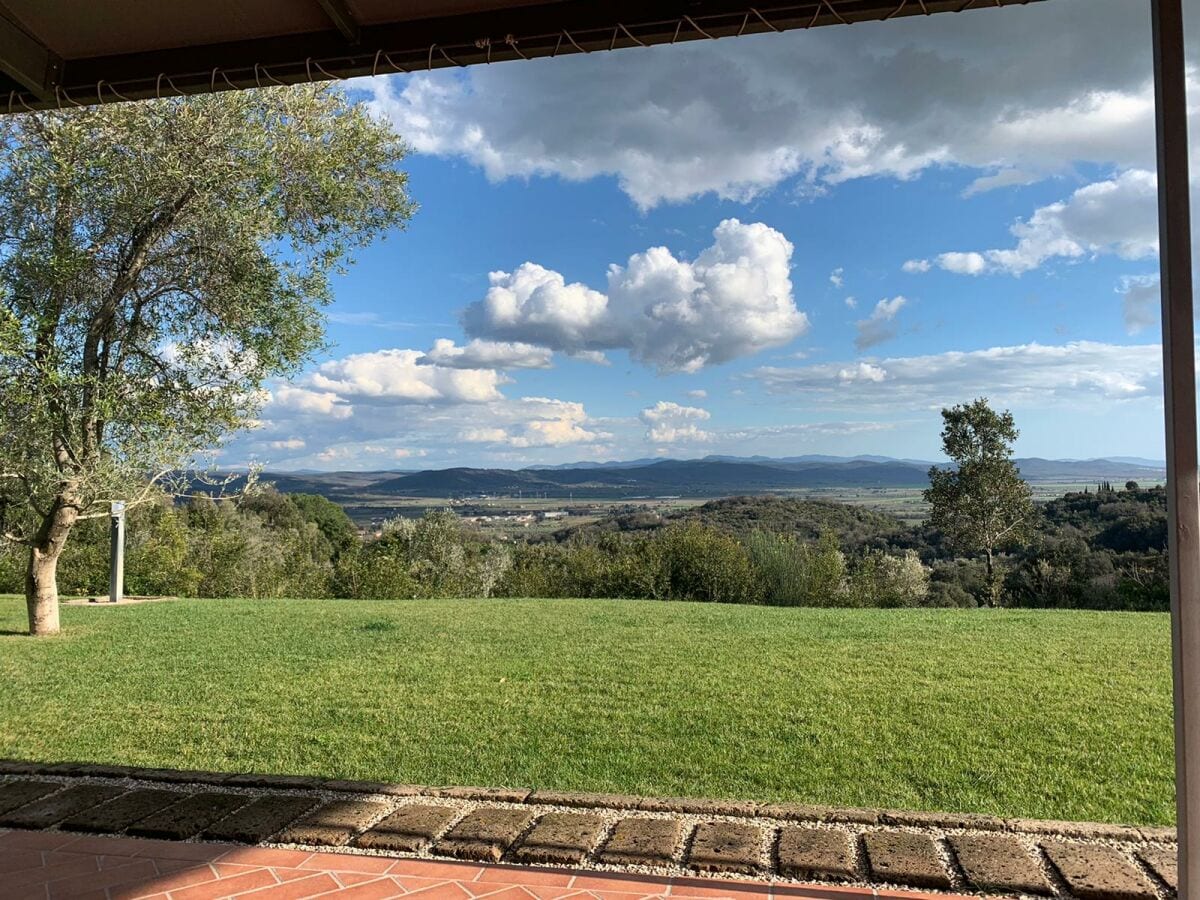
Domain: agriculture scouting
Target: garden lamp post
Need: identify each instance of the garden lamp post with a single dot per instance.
(116, 547)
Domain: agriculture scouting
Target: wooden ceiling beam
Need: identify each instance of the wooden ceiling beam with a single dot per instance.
(26, 60)
(341, 16)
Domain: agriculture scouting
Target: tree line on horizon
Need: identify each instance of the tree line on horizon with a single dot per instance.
(1103, 549)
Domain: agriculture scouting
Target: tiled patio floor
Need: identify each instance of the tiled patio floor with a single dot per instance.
(51, 865)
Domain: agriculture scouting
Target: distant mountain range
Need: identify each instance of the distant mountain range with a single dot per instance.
(767, 460)
(708, 477)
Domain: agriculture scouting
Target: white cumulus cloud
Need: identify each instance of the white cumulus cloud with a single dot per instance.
(397, 375)
(962, 263)
(544, 422)
(672, 423)
(479, 354)
(733, 300)
(1117, 216)
(290, 398)
(536, 305)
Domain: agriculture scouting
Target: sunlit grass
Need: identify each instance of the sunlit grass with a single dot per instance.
(1022, 713)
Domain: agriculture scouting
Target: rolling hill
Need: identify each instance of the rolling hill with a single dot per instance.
(709, 477)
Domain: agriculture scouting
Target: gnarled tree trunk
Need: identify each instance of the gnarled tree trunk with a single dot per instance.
(41, 574)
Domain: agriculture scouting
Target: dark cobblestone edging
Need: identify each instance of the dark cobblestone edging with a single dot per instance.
(883, 848)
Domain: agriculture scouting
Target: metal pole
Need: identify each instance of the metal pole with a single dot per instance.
(1179, 392)
(116, 577)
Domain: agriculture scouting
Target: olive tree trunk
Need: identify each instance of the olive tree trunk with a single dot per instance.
(41, 573)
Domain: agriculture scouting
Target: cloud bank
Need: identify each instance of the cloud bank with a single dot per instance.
(1017, 92)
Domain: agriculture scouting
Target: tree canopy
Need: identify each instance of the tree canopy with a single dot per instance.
(159, 262)
(981, 503)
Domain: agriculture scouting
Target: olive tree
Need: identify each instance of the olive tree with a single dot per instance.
(159, 262)
(981, 503)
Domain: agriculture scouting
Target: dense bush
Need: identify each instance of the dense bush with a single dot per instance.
(266, 545)
(888, 581)
(1094, 550)
(794, 573)
(431, 557)
(958, 582)
(683, 562)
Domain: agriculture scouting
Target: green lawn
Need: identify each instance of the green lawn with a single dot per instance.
(1046, 714)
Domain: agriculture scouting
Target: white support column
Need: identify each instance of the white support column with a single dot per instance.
(116, 574)
(1179, 390)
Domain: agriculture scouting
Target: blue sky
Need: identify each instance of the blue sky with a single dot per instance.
(801, 270)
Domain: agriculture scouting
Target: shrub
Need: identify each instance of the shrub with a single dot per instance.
(959, 582)
(792, 573)
(432, 557)
(889, 581)
(705, 565)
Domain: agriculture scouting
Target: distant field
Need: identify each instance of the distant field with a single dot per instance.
(906, 503)
(1029, 713)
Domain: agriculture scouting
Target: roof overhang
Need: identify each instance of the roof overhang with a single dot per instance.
(74, 52)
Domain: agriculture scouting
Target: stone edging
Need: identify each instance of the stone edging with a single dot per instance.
(881, 848)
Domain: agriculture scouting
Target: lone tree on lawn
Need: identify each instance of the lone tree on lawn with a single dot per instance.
(982, 504)
(159, 262)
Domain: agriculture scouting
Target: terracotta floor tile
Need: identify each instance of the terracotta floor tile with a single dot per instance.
(54, 857)
(718, 894)
(43, 874)
(523, 875)
(375, 889)
(550, 891)
(316, 884)
(16, 860)
(36, 840)
(228, 870)
(423, 868)
(345, 862)
(349, 879)
(27, 892)
(95, 845)
(273, 857)
(485, 888)
(822, 892)
(291, 874)
(227, 887)
(412, 885)
(168, 866)
(450, 890)
(136, 871)
(145, 847)
(509, 892)
(697, 889)
(107, 860)
(170, 881)
(615, 882)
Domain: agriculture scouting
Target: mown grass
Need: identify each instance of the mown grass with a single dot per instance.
(1029, 713)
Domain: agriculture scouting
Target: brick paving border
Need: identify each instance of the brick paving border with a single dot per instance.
(705, 839)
